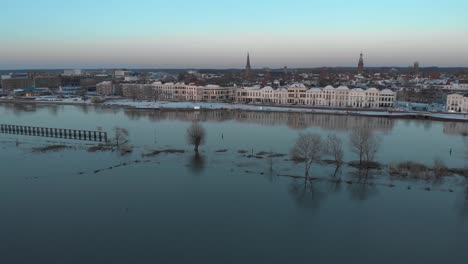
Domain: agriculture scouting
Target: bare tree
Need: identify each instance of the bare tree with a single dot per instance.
(335, 149)
(157, 94)
(120, 136)
(364, 143)
(148, 92)
(371, 148)
(196, 135)
(133, 92)
(308, 149)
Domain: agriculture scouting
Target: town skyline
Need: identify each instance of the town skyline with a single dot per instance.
(254, 67)
(209, 34)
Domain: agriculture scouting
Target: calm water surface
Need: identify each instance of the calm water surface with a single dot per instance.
(223, 207)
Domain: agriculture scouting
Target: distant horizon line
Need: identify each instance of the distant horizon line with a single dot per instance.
(181, 68)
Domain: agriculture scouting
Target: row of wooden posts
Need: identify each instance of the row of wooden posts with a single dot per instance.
(54, 132)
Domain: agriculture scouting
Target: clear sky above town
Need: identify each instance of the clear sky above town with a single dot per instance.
(218, 34)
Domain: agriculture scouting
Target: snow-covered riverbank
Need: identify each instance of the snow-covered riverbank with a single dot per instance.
(247, 107)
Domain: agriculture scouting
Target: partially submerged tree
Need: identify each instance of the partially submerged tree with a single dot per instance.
(308, 149)
(196, 135)
(364, 143)
(120, 136)
(335, 149)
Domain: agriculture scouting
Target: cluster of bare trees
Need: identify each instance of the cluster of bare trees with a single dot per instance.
(365, 144)
(310, 148)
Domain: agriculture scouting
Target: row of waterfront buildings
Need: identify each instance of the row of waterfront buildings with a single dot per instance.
(296, 94)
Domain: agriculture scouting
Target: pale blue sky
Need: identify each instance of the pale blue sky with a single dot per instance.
(209, 33)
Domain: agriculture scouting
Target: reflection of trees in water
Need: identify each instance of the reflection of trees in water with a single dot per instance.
(335, 183)
(292, 120)
(133, 114)
(306, 195)
(53, 109)
(19, 108)
(85, 108)
(426, 124)
(465, 143)
(197, 163)
(363, 188)
(106, 110)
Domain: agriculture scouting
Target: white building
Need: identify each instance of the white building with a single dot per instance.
(75, 72)
(178, 92)
(457, 103)
(132, 78)
(329, 96)
(120, 73)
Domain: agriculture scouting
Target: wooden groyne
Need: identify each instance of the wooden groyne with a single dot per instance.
(72, 134)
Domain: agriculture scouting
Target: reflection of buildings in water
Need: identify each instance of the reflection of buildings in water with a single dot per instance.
(304, 120)
(20, 107)
(465, 142)
(456, 129)
(292, 120)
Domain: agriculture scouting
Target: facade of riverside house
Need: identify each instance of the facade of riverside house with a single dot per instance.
(457, 103)
(329, 96)
(178, 92)
(265, 95)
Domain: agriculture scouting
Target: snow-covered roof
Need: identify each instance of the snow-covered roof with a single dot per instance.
(297, 85)
(343, 88)
(252, 88)
(455, 95)
(372, 90)
(267, 88)
(387, 91)
(315, 90)
(357, 90)
(329, 87)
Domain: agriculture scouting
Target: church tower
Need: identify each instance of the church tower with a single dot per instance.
(248, 68)
(360, 68)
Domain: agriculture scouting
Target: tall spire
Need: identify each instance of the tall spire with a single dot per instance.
(361, 64)
(248, 68)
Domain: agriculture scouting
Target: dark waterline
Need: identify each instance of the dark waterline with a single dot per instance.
(182, 208)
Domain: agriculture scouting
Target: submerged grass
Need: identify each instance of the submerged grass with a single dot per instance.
(163, 151)
(50, 148)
